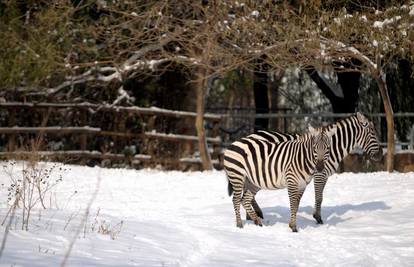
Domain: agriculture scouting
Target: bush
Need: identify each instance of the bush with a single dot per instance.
(30, 183)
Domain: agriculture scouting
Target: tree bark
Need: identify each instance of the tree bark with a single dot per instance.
(389, 116)
(201, 84)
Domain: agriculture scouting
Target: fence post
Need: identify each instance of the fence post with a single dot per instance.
(412, 137)
(216, 147)
(83, 137)
(149, 146)
(121, 142)
(11, 145)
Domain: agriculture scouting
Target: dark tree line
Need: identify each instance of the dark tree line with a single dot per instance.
(155, 52)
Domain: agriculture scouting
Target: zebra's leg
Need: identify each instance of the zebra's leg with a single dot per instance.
(295, 192)
(319, 182)
(237, 196)
(237, 184)
(256, 207)
(253, 189)
(247, 204)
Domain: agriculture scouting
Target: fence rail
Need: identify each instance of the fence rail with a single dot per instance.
(313, 115)
(245, 120)
(99, 107)
(104, 132)
(74, 153)
(97, 131)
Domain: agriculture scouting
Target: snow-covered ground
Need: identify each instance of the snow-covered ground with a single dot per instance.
(186, 219)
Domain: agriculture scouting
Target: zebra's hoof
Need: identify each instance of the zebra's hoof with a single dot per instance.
(318, 219)
(239, 224)
(259, 214)
(293, 227)
(258, 222)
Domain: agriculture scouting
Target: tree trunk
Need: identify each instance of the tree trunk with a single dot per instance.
(199, 122)
(389, 116)
(274, 99)
(260, 97)
(349, 82)
(377, 74)
(399, 78)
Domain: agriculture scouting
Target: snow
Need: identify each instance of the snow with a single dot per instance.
(378, 24)
(186, 219)
(255, 13)
(363, 18)
(381, 24)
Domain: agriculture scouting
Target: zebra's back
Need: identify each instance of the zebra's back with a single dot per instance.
(265, 163)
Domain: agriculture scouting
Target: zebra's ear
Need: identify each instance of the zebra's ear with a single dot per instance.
(361, 117)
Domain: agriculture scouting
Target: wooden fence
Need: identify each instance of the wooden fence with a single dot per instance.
(108, 135)
(105, 134)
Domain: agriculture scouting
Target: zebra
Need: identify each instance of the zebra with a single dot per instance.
(351, 132)
(270, 165)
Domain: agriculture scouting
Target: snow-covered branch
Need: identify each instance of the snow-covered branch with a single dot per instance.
(339, 46)
(106, 74)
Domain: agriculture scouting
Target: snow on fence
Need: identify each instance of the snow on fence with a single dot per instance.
(87, 132)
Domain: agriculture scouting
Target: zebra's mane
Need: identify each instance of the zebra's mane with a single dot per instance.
(343, 121)
(278, 137)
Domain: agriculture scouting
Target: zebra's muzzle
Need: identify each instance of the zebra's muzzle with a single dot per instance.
(377, 156)
(320, 166)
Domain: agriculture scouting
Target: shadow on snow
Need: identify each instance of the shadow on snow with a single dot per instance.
(331, 215)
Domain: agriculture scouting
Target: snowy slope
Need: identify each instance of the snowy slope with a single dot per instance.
(187, 219)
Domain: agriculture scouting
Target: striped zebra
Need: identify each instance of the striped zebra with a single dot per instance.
(270, 165)
(354, 131)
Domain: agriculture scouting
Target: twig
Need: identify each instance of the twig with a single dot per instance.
(84, 218)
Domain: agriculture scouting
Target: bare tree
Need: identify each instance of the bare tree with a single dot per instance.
(122, 40)
(375, 38)
(338, 38)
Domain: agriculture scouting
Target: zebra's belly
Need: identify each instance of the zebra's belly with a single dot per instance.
(302, 183)
(270, 183)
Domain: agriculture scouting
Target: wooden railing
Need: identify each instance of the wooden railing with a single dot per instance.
(159, 136)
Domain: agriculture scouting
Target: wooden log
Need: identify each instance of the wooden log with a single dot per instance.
(196, 161)
(74, 153)
(49, 129)
(180, 137)
(133, 110)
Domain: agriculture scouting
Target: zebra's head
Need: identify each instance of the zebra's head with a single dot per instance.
(322, 139)
(368, 139)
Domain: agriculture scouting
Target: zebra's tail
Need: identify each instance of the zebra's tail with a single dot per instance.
(230, 189)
